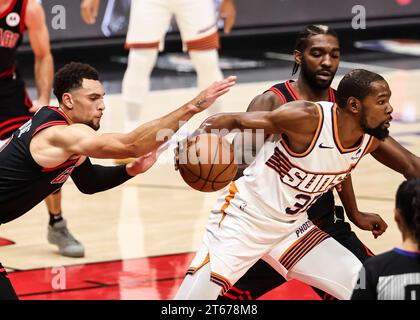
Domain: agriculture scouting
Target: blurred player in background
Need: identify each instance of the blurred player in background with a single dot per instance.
(16, 107)
(149, 22)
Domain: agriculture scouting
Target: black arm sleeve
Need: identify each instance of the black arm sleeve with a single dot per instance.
(91, 178)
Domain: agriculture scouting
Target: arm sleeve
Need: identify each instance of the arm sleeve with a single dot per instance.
(91, 178)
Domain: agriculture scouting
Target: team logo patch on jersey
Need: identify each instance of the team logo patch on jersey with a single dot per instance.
(25, 127)
(13, 19)
(63, 176)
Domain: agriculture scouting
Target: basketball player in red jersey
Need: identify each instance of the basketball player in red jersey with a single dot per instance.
(58, 141)
(317, 54)
(16, 107)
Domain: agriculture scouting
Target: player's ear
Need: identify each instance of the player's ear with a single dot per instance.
(67, 100)
(298, 56)
(353, 104)
(397, 217)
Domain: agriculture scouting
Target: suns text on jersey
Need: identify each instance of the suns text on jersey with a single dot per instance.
(312, 182)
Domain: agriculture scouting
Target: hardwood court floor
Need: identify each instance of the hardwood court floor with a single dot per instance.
(157, 215)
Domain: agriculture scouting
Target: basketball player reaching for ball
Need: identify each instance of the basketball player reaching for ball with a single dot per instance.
(263, 213)
(15, 105)
(317, 53)
(395, 275)
(56, 143)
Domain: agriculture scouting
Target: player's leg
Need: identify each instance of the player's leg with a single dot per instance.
(149, 21)
(236, 238)
(6, 289)
(197, 24)
(327, 266)
(258, 280)
(335, 224)
(58, 232)
(341, 231)
(198, 286)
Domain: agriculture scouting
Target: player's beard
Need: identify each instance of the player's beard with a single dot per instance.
(379, 132)
(93, 125)
(311, 78)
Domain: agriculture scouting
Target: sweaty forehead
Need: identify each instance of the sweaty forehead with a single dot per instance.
(322, 40)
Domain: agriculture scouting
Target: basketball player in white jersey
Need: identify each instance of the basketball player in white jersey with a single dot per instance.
(263, 214)
(149, 22)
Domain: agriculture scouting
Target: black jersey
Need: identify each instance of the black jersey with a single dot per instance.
(24, 183)
(393, 275)
(12, 26)
(324, 206)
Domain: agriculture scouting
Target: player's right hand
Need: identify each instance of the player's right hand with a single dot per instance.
(371, 222)
(208, 96)
(89, 10)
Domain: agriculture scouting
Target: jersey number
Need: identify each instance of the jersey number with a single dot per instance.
(412, 292)
(303, 202)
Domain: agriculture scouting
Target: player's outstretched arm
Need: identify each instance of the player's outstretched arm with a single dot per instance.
(393, 155)
(300, 117)
(80, 139)
(365, 221)
(246, 144)
(91, 178)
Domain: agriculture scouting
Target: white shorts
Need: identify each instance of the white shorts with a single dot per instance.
(150, 20)
(238, 234)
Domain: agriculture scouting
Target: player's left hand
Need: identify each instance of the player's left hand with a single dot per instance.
(145, 162)
(370, 222)
(228, 12)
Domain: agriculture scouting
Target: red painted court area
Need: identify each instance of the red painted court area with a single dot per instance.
(153, 278)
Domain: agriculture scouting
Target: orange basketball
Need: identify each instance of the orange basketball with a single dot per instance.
(207, 162)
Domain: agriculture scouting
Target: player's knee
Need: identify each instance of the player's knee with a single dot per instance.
(141, 61)
(206, 63)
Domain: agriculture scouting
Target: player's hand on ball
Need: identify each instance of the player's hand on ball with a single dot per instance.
(208, 96)
(145, 162)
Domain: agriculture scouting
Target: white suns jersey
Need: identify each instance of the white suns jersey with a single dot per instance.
(285, 184)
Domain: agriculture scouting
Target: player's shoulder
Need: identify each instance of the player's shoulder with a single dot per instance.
(68, 132)
(34, 14)
(282, 86)
(282, 90)
(380, 261)
(305, 106)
